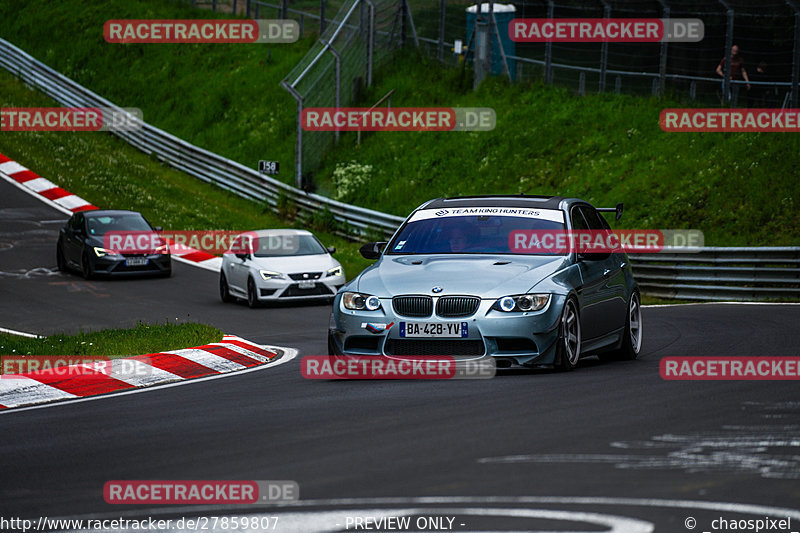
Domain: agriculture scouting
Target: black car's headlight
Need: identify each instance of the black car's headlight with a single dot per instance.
(102, 252)
(360, 302)
(521, 302)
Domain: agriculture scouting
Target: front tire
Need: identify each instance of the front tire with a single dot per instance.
(86, 268)
(568, 347)
(224, 291)
(61, 263)
(252, 295)
(632, 337)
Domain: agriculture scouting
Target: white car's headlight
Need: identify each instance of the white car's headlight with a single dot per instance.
(362, 302)
(522, 302)
(267, 275)
(335, 271)
(101, 252)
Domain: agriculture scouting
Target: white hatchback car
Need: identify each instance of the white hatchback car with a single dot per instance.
(279, 265)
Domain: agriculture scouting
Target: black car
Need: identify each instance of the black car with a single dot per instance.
(82, 247)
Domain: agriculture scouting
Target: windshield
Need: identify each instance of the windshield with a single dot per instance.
(483, 230)
(288, 245)
(101, 224)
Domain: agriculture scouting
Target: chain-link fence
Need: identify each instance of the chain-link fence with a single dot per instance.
(362, 35)
(767, 34)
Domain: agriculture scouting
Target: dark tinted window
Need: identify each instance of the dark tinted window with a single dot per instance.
(592, 217)
(98, 225)
(578, 221)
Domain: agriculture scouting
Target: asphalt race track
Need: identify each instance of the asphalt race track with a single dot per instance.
(610, 446)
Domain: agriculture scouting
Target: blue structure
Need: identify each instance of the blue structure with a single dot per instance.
(503, 15)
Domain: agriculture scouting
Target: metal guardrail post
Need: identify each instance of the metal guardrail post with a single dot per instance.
(284, 9)
(604, 50)
(662, 54)
(796, 55)
(548, 48)
(726, 81)
(247, 6)
(322, 16)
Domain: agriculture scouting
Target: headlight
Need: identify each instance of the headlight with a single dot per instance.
(163, 249)
(522, 302)
(100, 252)
(358, 301)
(335, 271)
(267, 275)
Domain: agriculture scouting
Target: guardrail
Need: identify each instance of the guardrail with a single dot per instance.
(720, 273)
(189, 158)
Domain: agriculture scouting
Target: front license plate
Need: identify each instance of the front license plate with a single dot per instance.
(136, 261)
(434, 329)
(306, 284)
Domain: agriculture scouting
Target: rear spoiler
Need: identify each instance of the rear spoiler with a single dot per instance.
(617, 210)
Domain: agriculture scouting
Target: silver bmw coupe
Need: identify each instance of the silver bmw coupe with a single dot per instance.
(450, 282)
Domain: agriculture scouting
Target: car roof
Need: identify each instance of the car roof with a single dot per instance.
(268, 232)
(498, 200)
(101, 212)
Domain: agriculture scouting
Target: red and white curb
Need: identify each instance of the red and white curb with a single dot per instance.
(211, 360)
(68, 203)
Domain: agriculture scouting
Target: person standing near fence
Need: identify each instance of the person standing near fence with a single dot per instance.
(738, 73)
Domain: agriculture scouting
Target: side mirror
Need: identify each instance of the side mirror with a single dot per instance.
(592, 256)
(158, 228)
(243, 257)
(331, 249)
(372, 250)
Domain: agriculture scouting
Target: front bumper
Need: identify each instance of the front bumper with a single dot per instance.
(288, 289)
(523, 338)
(115, 265)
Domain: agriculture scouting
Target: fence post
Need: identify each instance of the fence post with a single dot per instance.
(247, 6)
(442, 5)
(618, 85)
(662, 60)
(548, 48)
(370, 40)
(338, 71)
(582, 84)
(213, 5)
(604, 49)
(402, 23)
(726, 80)
(322, 17)
(796, 56)
(284, 9)
(234, 7)
(298, 143)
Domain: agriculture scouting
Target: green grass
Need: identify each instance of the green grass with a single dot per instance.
(741, 189)
(109, 173)
(143, 339)
(225, 97)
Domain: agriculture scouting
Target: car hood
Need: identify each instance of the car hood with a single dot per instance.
(487, 276)
(295, 264)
